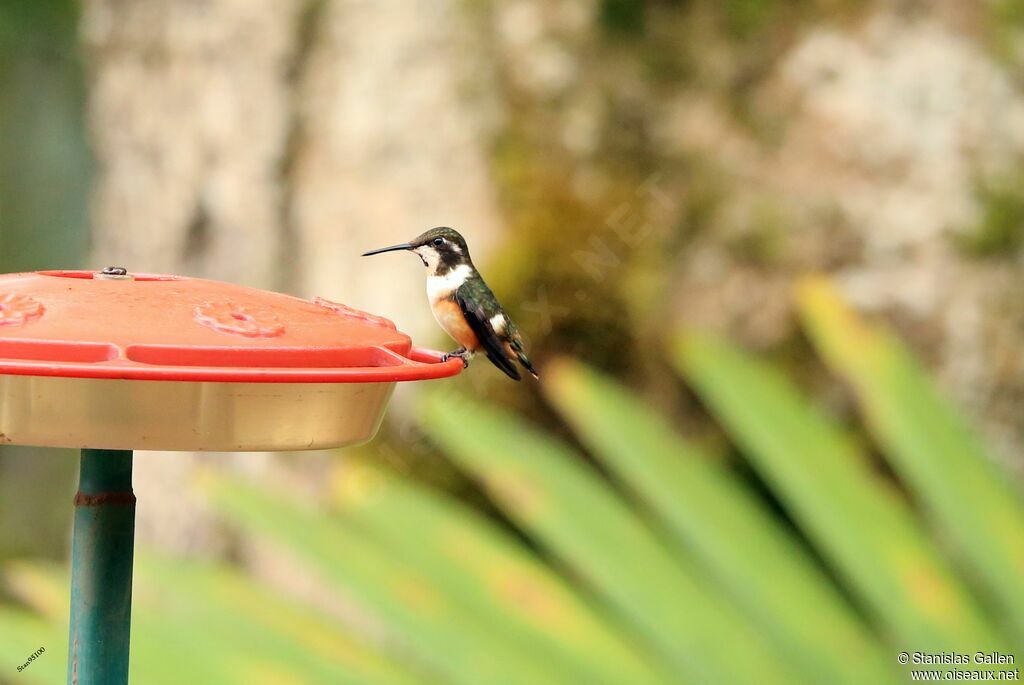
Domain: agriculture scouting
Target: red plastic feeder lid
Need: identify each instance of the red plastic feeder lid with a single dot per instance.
(113, 325)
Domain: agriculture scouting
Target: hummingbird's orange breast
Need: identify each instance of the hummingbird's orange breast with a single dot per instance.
(449, 314)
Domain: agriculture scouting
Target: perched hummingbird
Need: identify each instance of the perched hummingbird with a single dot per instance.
(463, 304)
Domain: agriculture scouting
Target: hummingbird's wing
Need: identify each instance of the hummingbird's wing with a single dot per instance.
(494, 346)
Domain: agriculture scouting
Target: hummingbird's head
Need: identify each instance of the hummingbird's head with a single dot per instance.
(441, 249)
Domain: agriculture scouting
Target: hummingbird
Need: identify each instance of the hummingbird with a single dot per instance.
(462, 302)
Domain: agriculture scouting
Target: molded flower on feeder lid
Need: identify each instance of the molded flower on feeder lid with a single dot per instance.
(17, 309)
(229, 317)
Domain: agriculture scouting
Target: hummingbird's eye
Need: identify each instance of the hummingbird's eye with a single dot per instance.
(438, 242)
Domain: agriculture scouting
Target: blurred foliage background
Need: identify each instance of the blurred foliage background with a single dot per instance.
(731, 471)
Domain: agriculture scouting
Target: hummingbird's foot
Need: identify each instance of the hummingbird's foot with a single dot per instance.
(460, 353)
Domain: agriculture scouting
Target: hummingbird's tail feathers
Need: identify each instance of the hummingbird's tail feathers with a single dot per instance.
(505, 364)
(516, 348)
(525, 361)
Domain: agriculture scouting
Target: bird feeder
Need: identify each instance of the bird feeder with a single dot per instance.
(110, 362)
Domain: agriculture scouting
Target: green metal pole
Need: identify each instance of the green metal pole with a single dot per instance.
(101, 570)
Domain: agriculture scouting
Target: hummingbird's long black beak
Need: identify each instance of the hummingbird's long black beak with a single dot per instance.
(393, 248)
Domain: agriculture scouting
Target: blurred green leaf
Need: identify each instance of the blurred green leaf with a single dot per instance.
(482, 566)
(544, 487)
(21, 634)
(273, 639)
(198, 622)
(423, 619)
(724, 525)
(928, 443)
(857, 522)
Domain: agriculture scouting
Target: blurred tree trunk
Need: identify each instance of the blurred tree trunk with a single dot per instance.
(269, 142)
(189, 115)
(44, 171)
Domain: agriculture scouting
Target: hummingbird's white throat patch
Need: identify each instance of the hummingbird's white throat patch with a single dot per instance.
(441, 287)
(431, 257)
